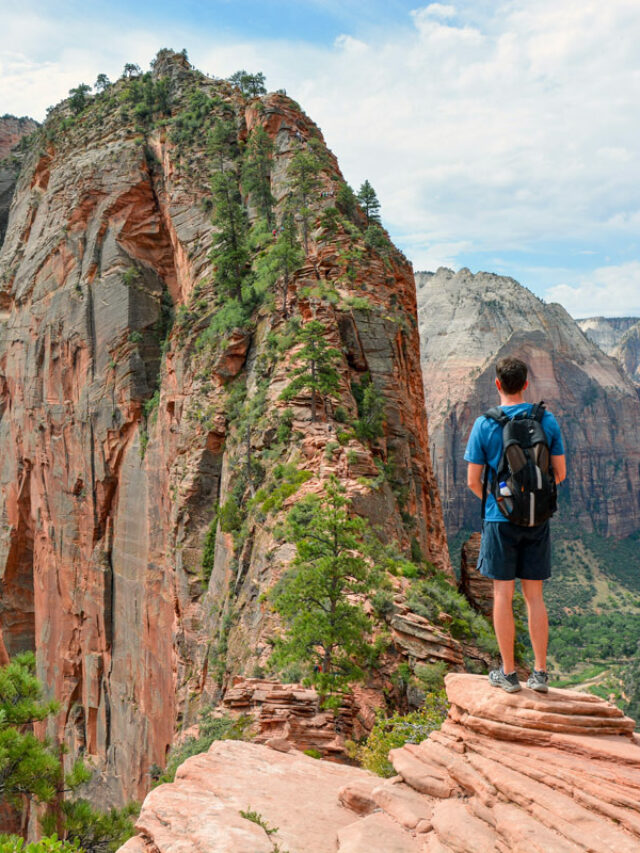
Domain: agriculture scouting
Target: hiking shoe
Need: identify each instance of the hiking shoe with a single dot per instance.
(510, 682)
(539, 681)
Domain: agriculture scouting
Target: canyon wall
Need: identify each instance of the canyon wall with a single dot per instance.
(117, 435)
(467, 322)
(618, 337)
(12, 130)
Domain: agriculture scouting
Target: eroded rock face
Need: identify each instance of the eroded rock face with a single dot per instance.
(116, 440)
(468, 322)
(618, 337)
(12, 130)
(606, 332)
(627, 352)
(552, 773)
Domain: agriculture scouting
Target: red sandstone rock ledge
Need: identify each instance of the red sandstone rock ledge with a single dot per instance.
(525, 773)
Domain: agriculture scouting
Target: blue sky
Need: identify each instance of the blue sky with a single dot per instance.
(501, 136)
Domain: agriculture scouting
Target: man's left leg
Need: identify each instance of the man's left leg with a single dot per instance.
(538, 621)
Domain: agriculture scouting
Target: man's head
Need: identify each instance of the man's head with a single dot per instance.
(511, 373)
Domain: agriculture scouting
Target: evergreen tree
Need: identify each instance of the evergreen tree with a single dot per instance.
(256, 172)
(281, 259)
(370, 402)
(131, 70)
(251, 85)
(79, 98)
(30, 768)
(346, 200)
(27, 766)
(102, 83)
(317, 370)
(323, 626)
(230, 252)
(369, 202)
(304, 175)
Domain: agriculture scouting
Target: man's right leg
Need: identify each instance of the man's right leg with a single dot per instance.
(503, 622)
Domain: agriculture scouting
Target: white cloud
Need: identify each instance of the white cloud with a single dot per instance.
(612, 291)
(491, 133)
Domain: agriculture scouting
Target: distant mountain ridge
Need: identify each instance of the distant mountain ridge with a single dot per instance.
(618, 337)
(467, 321)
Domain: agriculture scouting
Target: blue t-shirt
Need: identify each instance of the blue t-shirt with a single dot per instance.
(485, 447)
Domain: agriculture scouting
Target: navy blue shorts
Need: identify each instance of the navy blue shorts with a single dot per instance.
(509, 551)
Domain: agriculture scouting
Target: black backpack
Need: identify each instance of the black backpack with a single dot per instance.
(525, 485)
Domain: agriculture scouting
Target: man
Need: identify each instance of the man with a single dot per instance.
(509, 551)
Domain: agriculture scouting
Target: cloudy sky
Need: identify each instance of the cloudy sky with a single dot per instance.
(501, 136)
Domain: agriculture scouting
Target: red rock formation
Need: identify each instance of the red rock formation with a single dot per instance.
(117, 446)
(513, 773)
(477, 589)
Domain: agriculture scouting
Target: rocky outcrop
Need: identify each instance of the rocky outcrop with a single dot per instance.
(627, 352)
(606, 332)
(469, 321)
(618, 337)
(289, 716)
(476, 588)
(514, 773)
(120, 431)
(12, 130)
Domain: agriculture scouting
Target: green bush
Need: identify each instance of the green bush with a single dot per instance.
(209, 730)
(392, 732)
(230, 516)
(432, 596)
(49, 844)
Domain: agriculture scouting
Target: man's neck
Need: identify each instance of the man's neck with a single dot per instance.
(511, 399)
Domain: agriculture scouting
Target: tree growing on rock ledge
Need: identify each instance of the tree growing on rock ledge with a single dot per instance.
(317, 371)
(326, 625)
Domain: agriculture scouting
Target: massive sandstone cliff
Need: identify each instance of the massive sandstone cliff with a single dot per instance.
(118, 440)
(507, 773)
(469, 321)
(12, 130)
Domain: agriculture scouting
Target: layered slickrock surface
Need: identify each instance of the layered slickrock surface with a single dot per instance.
(117, 439)
(467, 322)
(514, 773)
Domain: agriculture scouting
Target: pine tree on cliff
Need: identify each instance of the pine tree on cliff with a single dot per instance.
(28, 768)
(31, 769)
(282, 257)
(230, 253)
(256, 172)
(304, 175)
(251, 85)
(369, 202)
(324, 627)
(317, 371)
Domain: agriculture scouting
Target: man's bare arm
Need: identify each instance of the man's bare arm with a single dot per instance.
(474, 478)
(559, 465)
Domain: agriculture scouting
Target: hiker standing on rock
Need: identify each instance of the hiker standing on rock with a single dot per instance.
(516, 458)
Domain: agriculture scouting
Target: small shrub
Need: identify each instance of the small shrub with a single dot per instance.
(390, 733)
(49, 844)
(313, 753)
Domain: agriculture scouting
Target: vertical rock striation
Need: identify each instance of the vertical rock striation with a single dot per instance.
(117, 439)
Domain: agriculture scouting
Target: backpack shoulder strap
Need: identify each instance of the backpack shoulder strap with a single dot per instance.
(496, 414)
(537, 412)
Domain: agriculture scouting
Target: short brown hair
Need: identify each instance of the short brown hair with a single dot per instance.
(512, 373)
